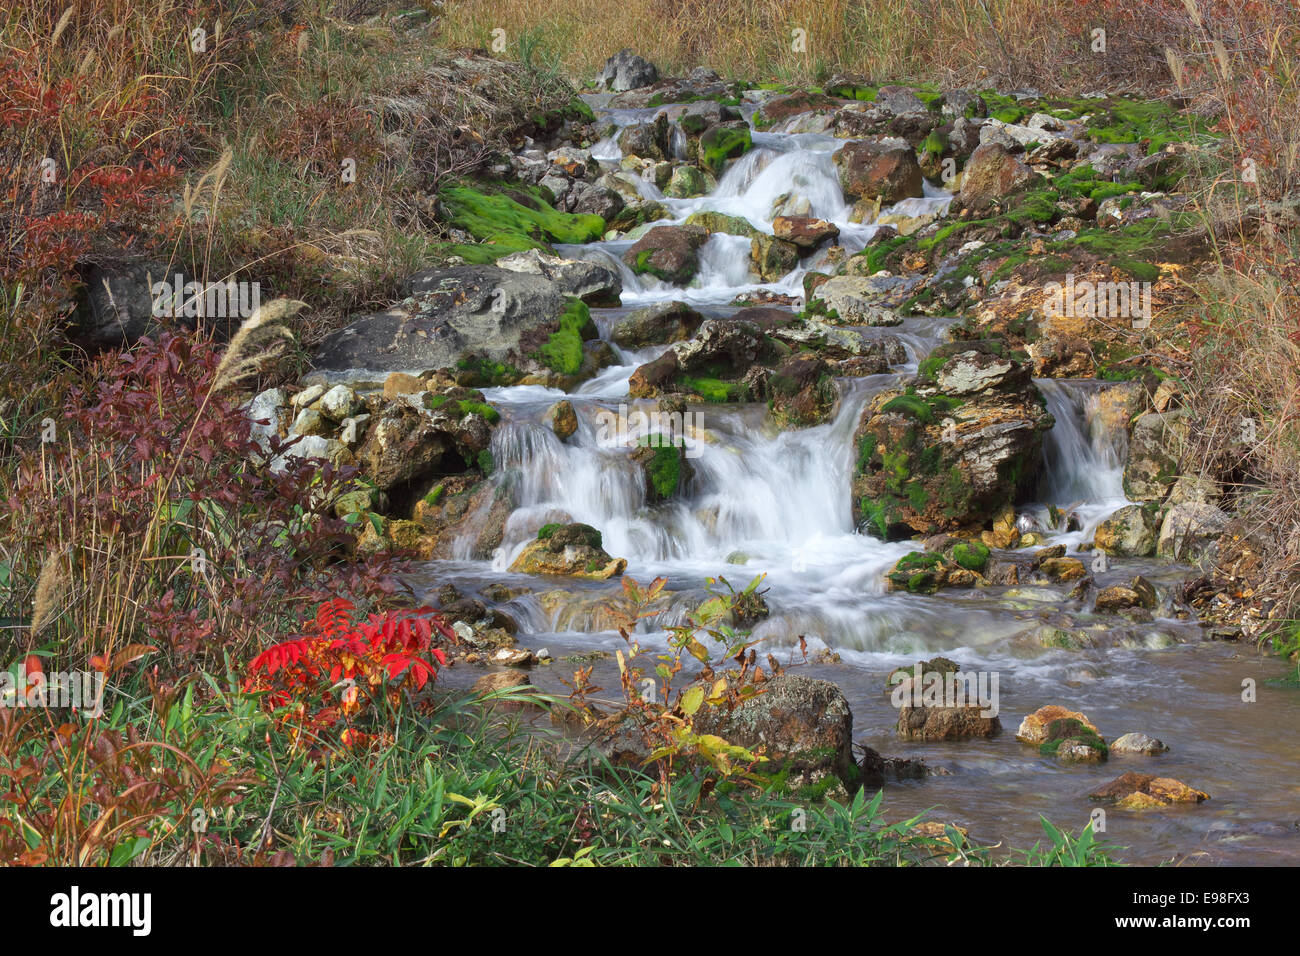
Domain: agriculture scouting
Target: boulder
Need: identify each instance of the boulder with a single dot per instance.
(669, 253)
(1144, 791)
(592, 282)
(657, 324)
(722, 143)
(490, 313)
(990, 174)
(570, 550)
(771, 257)
(627, 71)
(802, 726)
(1138, 744)
(870, 170)
(1156, 446)
(562, 419)
(1189, 528)
(852, 300)
(804, 232)
(1129, 532)
(955, 450)
(648, 140)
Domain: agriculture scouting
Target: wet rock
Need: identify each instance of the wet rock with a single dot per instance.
(780, 108)
(877, 769)
(627, 71)
(670, 253)
(803, 391)
(657, 324)
(664, 467)
(771, 257)
(572, 550)
(648, 140)
(870, 170)
(711, 222)
(1143, 791)
(1064, 569)
(1138, 593)
(991, 173)
(562, 419)
(1136, 743)
(804, 727)
(931, 460)
(592, 282)
(1129, 531)
(804, 232)
(1035, 728)
(946, 723)
(688, 181)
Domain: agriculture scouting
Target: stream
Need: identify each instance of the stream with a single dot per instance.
(762, 501)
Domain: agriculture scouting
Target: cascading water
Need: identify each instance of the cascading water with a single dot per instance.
(762, 501)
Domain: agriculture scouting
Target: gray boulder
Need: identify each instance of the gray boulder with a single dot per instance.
(627, 71)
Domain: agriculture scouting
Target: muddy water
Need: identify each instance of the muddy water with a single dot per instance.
(777, 504)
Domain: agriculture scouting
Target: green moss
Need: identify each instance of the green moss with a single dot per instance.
(935, 143)
(971, 555)
(875, 517)
(434, 495)
(562, 352)
(715, 390)
(721, 143)
(877, 254)
(665, 468)
(484, 372)
(1153, 122)
(1008, 114)
(486, 463)
(514, 220)
(545, 531)
(480, 408)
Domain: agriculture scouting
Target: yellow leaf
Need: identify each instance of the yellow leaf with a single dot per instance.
(692, 700)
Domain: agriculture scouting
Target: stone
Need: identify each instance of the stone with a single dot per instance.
(853, 300)
(1128, 532)
(772, 258)
(402, 383)
(1136, 743)
(627, 71)
(593, 282)
(311, 422)
(804, 232)
(1144, 791)
(268, 416)
(871, 170)
(669, 253)
(1189, 528)
(339, 403)
(801, 725)
(658, 324)
(1034, 728)
(991, 173)
(572, 550)
(562, 419)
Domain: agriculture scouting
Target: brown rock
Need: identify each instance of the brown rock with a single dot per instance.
(1142, 791)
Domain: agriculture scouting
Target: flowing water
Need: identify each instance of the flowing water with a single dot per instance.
(775, 503)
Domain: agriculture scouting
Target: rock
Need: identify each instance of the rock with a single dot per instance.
(780, 108)
(627, 71)
(803, 391)
(1156, 446)
(804, 232)
(268, 416)
(1138, 593)
(1064, 569)
(1034, 728)
(1137, 744)
(712, 222)
(876, 769)
(934, 459)
(340, 402)
(402, 383)
(872, 170)
(962, 103)
(688, 181)
(802, 726)
(946, 723)
(657, 324)
(116, 306)
(669, 253)
(592, 282)
(493, 314)
(592, 199)
(312, 446)
(991, 173)
(1143, 791)
(572, 550)
(1189, 528)
(771, 257)
(311, 422)
(1129, 532)
(664, 467)
(721, 143)
(405, 445)
(562, 419)
(652, 378)
(852, 300)
(650, 140)
(898, 100)
(790, 204)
